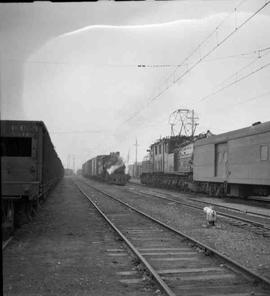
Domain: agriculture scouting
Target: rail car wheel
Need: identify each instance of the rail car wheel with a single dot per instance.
(36, 205)
(24, 211)
(29, 209)
(7, 218)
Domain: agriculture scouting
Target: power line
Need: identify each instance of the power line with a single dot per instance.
(234, 82)
(78, 132)
(198, 47)
(252, 99)
(206, 61)
(256, 51)
(223, 40)
(246, 100)
(202, 58)
(70, 63)
(142, 65)
(235, 74)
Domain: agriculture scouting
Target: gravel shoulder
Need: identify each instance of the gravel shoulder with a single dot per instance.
(244, 246)
(227, 204)
(69, 250)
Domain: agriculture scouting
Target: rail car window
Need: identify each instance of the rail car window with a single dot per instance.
(16, 146)
(264, 152)
(159, 148)
(156, 150)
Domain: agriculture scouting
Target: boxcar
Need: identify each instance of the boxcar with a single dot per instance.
(236, 163)
(93, 167)
(109, 168)
(29, 168)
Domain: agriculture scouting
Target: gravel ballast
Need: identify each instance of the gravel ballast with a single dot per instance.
(244, 246)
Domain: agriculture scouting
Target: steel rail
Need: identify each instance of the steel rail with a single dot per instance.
(5, 243)
(221, 206)
(159, 280)
(258, 224)
(233, 209)
(244, 269)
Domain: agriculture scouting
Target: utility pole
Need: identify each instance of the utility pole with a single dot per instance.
(136, 160)
(128, 157)
(1, 77)
(74, 164)
(68, 161)
(193, 123)
(127, 163)
(172, 131)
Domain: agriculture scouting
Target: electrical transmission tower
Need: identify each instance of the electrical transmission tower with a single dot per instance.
(183, 122)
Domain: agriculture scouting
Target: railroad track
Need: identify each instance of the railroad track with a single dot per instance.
(6, 242)
(176, 261)
(247, 212)
(254, 226)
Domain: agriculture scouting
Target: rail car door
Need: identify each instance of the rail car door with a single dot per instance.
(221, 160)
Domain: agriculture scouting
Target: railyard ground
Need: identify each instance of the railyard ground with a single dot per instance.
(68, 249)
(239, 243)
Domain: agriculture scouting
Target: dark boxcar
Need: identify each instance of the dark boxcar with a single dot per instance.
(236, 163)
(29, 168)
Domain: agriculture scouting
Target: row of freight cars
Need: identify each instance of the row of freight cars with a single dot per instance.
(109, 168)
(236, 163)
(30, 167)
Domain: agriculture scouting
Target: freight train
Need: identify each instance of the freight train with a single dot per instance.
(235, 163)
(108, 168)
(30, 167)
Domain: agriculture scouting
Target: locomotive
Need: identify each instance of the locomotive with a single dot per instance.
(30, 167)
(108, 168)
(235, 163)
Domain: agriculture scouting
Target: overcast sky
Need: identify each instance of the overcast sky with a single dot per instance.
(74, 66)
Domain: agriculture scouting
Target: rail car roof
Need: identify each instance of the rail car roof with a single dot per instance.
(259, 128)
(26, 122)
(171, 139)
(96, 157)
(101, 156)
